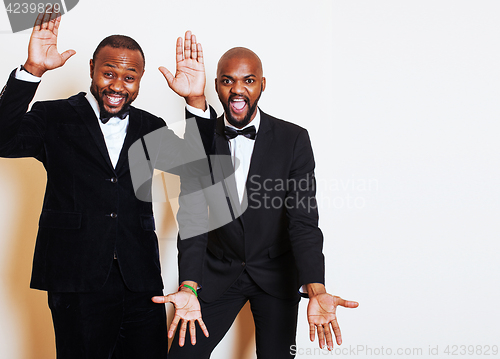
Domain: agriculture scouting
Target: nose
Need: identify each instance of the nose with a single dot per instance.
(238, 88)
(116, 85)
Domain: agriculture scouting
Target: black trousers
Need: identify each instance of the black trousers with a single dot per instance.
(113, 323)
(275, 322)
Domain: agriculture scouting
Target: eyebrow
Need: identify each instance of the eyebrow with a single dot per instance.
(245, 77)
(115, 67)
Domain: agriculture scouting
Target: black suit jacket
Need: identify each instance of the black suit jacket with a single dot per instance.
(276, 239)
(90, 210)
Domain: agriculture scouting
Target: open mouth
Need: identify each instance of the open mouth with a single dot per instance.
(238, 105)
(114, 100)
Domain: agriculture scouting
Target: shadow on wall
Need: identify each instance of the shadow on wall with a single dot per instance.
(26, 179)
(29, 307)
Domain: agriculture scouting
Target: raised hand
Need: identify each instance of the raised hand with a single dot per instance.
(321, 314)
(189, 80)
(187, 310)
(42, 49)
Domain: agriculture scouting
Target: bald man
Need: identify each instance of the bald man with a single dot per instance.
(273, 247)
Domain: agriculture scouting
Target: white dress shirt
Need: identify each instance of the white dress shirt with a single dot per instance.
(114, 130)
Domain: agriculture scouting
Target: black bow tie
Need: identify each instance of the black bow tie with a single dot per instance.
(120, 116)
(248, 132)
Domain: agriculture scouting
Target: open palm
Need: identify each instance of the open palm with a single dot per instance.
(187, 310)
(321, 314)
(189, 79)
(42, 51)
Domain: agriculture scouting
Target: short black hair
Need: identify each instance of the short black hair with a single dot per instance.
(119, 42)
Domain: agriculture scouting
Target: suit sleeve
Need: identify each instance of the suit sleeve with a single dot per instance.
(193, 207)
(192, 218)
(206, 127)
(21, 133)
(302, 211)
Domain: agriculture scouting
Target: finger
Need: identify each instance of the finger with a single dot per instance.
(164, 299)
(192, 331)
(194, 52)
(173, 326)
(51, 23)
(57, 21)
(187, 45)
(182, 333)
(347, 303)
(200, 53)
(46, 19)
(336, 331)
(179, 54)
(38, 22)
(67, 54)
(203, 327)
(321, 336)
(312, 331)
(328, 337)
(167, 74)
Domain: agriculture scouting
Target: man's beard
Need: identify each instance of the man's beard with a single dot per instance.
(102, 111)
(105, 114)
(248, 117)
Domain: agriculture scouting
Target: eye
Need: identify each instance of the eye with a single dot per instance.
(226, 81)
(108, 74)
(129, 78)
(249, 81)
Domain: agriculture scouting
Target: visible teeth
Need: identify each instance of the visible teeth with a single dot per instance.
(114, 99)
(238, 99)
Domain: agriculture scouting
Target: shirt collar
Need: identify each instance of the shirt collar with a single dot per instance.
(255, 122)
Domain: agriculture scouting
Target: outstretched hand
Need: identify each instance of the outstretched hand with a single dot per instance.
(187, 310)
(189, 79)
(42, 49)
(321, 314)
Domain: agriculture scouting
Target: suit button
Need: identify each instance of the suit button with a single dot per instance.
(113, 215)
(243, 264)
(114, 180)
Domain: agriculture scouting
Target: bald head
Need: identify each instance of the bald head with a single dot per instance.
(239, 84)
(240, 54)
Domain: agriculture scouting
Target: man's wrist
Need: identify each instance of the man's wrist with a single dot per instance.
(199, 102)
(189, 286)
(23, 75)
(314, 289)
(33, 69)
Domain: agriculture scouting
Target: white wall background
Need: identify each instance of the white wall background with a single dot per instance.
(401, 99)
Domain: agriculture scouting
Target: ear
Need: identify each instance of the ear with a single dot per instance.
(216, 87)
(91, 69)
(263, 83)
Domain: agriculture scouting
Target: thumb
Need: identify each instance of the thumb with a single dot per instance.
(67, 54)
(164, 299)
(167, 74)
(351, 304)
(348, 303)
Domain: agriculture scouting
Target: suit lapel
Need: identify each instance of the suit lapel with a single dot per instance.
(261, 148)
(87, 115)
